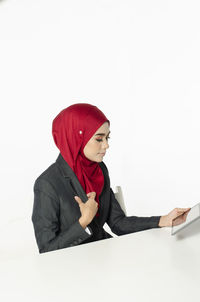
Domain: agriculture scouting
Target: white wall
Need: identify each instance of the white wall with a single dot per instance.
(138, 61)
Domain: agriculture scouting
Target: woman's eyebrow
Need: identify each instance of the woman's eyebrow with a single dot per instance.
(102, 134)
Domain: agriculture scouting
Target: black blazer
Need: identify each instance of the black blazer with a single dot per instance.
(56, 213)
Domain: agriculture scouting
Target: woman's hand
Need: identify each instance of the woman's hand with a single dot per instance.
(166, 220)
(88, 209)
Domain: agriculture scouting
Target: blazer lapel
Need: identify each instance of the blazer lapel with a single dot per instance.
(69, 173)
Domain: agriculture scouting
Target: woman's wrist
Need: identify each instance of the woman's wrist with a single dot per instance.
(82, 222)
(162, 222)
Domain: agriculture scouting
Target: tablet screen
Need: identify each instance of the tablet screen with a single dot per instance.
(192, 215)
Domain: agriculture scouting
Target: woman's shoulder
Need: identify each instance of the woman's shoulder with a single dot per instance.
(48, 173)
(47, 179)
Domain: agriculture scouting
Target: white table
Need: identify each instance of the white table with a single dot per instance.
(144, 266)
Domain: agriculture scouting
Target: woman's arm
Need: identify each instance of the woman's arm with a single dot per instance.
(121, 224)
(45, 218)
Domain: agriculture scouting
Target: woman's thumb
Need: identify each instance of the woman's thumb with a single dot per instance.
(78, 199)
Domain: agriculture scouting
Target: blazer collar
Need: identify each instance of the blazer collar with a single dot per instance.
(66, 169)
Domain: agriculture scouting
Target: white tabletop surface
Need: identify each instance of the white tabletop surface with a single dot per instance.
(145, 266)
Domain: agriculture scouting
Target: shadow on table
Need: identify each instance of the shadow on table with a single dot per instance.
(191, 230)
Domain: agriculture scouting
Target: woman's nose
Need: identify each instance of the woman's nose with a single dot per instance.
(105, 145)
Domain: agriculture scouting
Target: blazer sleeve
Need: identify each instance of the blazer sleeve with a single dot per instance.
(121, 224)
(45, 218)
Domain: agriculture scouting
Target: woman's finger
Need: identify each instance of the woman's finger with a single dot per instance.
(93, 194)
(78, 199)
(183, 210)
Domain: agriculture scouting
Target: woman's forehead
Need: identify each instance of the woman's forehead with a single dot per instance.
(103, 130)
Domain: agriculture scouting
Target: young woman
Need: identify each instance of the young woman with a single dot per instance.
(72, 197)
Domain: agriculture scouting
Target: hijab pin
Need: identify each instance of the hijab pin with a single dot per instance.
(80, 132)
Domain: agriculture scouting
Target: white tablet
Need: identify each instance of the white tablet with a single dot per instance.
(192, 215)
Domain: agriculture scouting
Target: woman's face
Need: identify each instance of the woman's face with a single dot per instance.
(95, 148)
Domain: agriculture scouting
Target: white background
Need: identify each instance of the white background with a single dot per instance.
(138, 61)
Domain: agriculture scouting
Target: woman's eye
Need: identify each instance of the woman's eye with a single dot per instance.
(100, 140)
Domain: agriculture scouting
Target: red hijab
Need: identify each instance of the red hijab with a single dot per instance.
(72, 128)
